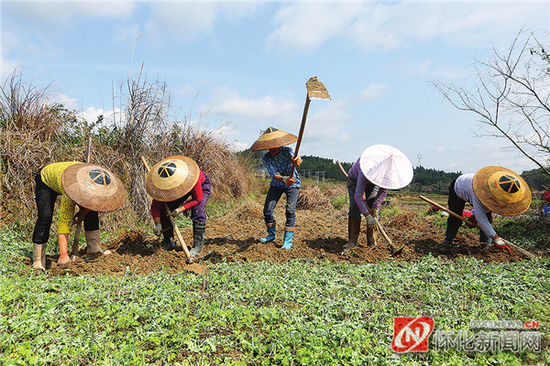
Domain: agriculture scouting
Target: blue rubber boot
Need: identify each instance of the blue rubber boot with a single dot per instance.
(271, 235)
(288, 240)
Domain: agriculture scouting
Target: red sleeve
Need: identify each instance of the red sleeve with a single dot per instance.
(196, 193)
(155, 208)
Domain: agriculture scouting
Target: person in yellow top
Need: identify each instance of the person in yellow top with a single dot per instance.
(93, 188)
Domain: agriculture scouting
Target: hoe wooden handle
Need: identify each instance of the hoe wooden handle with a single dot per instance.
(173, 222)
(512, 245)
(78, 230)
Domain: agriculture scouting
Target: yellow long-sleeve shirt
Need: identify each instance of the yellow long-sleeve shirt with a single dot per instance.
(51, 176)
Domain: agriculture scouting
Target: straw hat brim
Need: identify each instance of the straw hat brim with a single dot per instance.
(93, 187)
(273, 139)
(172, 178)
(502, 191)
(386, 167)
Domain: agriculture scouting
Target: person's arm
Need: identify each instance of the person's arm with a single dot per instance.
(481, 217)
(62, 240)
(155, 211)
(197, 195)
(379, 198)
(358, 196)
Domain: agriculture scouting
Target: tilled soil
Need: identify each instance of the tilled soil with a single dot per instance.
(320, 234)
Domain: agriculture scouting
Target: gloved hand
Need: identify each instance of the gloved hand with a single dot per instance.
(370, 220)
(296, 161)
(158, 229)
(174, 213)
(289, 181)
(472, 222)
(373, 212)
(500, 244)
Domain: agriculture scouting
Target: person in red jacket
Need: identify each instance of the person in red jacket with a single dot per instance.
(178, 182)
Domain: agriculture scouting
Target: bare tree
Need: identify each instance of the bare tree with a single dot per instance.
(511, 97)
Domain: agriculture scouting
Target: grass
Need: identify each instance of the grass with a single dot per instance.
(296, 313)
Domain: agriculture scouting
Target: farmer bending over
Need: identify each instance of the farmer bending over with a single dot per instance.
(378, 169)
(173, 181)
(491, 189)
(93, 188)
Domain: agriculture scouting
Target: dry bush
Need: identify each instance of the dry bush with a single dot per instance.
(311, 198)
(34, 132)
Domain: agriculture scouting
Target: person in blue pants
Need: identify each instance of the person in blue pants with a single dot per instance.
(279, 162)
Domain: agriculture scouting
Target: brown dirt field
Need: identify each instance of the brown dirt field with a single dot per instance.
(320, 234)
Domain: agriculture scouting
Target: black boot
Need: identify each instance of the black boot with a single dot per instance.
(168, 244)
(198, 238)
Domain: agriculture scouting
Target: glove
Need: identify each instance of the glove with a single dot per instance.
(174, 213)
(371, 221)
(296, 161)
(289, 181)
(501, 244)
(158, 229)
(373, 212)
(472, 222)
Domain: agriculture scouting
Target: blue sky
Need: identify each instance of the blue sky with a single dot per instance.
(239, 67)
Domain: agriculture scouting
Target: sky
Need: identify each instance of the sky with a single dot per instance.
(239, 67)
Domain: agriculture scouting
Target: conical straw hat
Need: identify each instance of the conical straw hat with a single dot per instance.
(172, 178)
(93, 187)
(386, 167)
(502, 191)
(273, 138)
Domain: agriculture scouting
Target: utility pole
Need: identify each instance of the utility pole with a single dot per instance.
(317, 173)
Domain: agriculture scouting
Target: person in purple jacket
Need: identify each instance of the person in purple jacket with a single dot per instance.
(279, 162)
(378, 169)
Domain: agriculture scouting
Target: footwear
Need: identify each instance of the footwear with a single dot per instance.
(39, 256)
(198, 238)
(168, 244)
(371, 236)
(270, 235)
(354, 227)
(288, 240)
(349, 245)
(92, 241)
(483, 246)
(447, 242)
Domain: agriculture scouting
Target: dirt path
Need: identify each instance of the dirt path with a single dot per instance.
(320, 234)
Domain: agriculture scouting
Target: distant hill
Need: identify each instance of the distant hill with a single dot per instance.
(537, 179)
(424, 179)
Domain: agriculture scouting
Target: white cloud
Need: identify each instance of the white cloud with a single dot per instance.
(374, 91)
(66, 101)
(62, 13)
(263, 110)
(188, 19)
(304, 26)
(123, 34)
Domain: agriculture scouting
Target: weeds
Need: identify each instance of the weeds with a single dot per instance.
(299, 312)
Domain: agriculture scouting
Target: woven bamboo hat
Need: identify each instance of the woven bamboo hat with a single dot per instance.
(93, 187)
(273, 138)
(502, 191)
(386, 167)
(172, 178)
